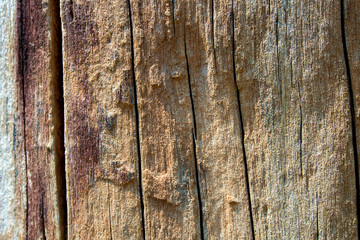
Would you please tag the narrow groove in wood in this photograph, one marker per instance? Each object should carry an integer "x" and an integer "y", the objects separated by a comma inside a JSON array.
[
  {"x": 300, "y": 133},
  {"x": 109, "y": 209},
  {"x": 57, "y": 102},
  {"x": 42, "y": 214},
  {"x": 189, "y": 84},
  {"x": 241, "y": 122},
  {"x": 202, "y": 231},
  {"x": 197, "y": 175},
  {"x": 352, "y": 109},
  {"x": 213, "y": 31},
  {"x": 173, "y": 14},
  {"x": 317, "y": 217},
  {"x": 277, "y": 52},
  {"x": 137, "y": 119},
  {"x": 20, "y": 72}
]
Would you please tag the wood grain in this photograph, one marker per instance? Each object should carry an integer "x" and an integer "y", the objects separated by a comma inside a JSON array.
[
  {"x": 12, "y": 157},
  {"x": 219, "y": 149},
  {"x": 100, "y": 125},
  {"x": 295, "y": 101},
  {"x": 165, "y": 121},
  {"x": 40, "y": 75},
  {"x": 351, "y": 45},
  {"x": 145, "y": 119}
]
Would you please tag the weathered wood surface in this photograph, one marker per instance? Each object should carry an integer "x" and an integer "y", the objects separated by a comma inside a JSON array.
[
  {"x": 182, "y": 119},
  {"x": 165, "y": 122},
  {"x": 102, "y": 170},
  {"x": 351, "y": 41},
  {"x": 294, "y": 97},
  {"x": 12, "y": 161},
  {"x": 40, "y": 74},
  {"x": 220, "y": 157}
]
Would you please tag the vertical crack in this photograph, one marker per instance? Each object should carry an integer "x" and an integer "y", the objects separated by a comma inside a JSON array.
[
  {"x": 352, "y": 109},
  {"x": 317, "y": 217},
  {"x": 277, "y": 51},
  {"x": 57, "y": 111},
  {"x": 291, "y": 73},
  {"x": 197, "y": 175},
  {"x": 20, "y": 48},
  {"x": 109, "y": 209},
  {"x": 241, "y": 123},
  {"x": 300, "y": 132},
  {"x": 198, "y": 190},
  {"x": 213, "y": 30},
  {"x": 42, "y": 215},
  {"x": 301, "y": 120},
  {"x": 137, "y": 119},
  {"x": 189, "y": 84},
  {"x": 173, "y": 14}
]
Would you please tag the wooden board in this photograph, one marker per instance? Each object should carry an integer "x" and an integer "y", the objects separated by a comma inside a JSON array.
[
  {"x": 12, "y": 161},
  {"x": 40, "y": 75},
  {"x": 166, "y": 125},
  {"x": 294, "y": 98},
  {"x": 179, "y": 119},
  {"x": 102, "y": 169},
  {"x": 351, "y": 44},
  {"x": 219, "y": 143}
]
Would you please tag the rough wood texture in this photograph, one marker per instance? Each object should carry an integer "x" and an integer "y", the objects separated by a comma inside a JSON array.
[
  {"x": 294, "y": 97},
  {"x": 171, "y": 204},
  {"x": 40, "y": 75},
  {"x": 100, "y": 124},
  {"x": 183, "y": 119},
  {"x": 12, "y": 161},
  {"x": 222, "y": 172},
  {"x": 351, "y": 44}
]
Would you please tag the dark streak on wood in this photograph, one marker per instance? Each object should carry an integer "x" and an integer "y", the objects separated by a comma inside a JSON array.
[
  {"x": 241, "y": 122},
  {"x": 34, "y": 43},
  {"x": 197, "y": 173},
  {"x": 84, "y": 153},
  {"x": 42, "y": 208},
  {"x": 19, "y": 130},
  {"x": 137, "y": 121},
  {"x": 173, "y": 5},
  {"x": 352, "y": 110},
  {"x": 57, "y": 103},
  {"x": 300, "y": 133},
  {"x": 317, "y": 217},
  {"x": 83, "y": 33},
  {"x": 39, "y": 80},
  {"x": 109, "y": 204},
  {"x": 213, "y": 29}
]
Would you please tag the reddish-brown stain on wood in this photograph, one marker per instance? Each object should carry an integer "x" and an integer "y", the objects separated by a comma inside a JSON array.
[
  {"x": 36, "y": 76},
  {"x": 84, "y": 154},
  {"x": 184, "y": 124},
  {"x": 84, "y": 34},
  {"x": 100, "y": 127}
]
